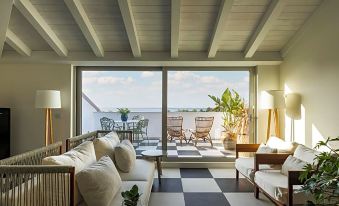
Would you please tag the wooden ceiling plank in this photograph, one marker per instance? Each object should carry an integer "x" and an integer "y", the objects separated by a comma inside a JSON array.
[
  {"x": 267, "y": 21},
  {"x": 128, "y": 18},
  {"x": 80, "y": 16},
  {"x": 225, "y": 10},
  {"x": 175, "y": 27},
  {"x": 17, "y": 44},
  {"x": 5, "y": 11},
  {"x": 32, "y": 15}
]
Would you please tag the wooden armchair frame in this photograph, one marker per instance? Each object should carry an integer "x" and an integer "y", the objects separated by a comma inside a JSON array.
[{"x": 244, "y": 148}]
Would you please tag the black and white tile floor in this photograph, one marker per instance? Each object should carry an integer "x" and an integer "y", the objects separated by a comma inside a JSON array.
[
  {"x": 186, "y": 150},
  {"x": 203, "y": 187}
]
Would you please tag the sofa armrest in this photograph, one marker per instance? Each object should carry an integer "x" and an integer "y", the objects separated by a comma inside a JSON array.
[
  {"x": 269, "y": 158},
  {"x": 245, "y": 148},
  {"x": 293, "y": 179}
]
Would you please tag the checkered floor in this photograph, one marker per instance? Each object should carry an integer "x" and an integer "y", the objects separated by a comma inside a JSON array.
[
  {"x": 186, "y": 150},
  {"x": 201, "y": 187}
]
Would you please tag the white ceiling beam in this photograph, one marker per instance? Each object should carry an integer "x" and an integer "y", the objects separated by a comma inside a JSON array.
[
  {"x": 224, "y": 11},
  {"x": 271, "y": 15},
  {"x": 127, "y": 16},
  {"x": 175, "y": 27},
  {"x": 80, "y": 16},
  {"x": 17, "y": 44},
  {"x": 32, "y": 15},
  {"x": 151, "y": 59},
  {"x": 5, "y": 11}
]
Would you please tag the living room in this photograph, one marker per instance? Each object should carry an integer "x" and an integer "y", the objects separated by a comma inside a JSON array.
[{"x": 170, "y": 63}]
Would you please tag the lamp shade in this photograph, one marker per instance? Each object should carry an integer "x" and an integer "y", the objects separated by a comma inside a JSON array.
[
  {"x": 47, "y": 99},
  {"x": 272, "y": 99},
  {"x": 293, "y": 105}
]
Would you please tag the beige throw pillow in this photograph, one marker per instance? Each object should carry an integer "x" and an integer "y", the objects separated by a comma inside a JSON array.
[
  {"x": 125, "y": 156},
  {"x": 105, "y": 146},
  {"x": 99, "y": 183},
  {"x": 281, "y": 145},
  {"x": 266, "y": 149},
  {"x": 292, "y": 163}
]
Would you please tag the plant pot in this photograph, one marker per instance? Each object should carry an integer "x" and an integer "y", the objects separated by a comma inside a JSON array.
[
  {"x": 229, "y": 140},
  {"x": 124, "y": 117}
]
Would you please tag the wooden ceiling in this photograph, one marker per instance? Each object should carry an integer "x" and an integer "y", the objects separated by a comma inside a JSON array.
[{"x": 137, "y": 26}]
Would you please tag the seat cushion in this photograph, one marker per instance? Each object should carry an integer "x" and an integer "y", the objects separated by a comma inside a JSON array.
[
  {"x": 142, "y": 171},
  {"x": 100, "y": 182},
  {"x": 305, "y": 154},
  {"x": 276, "y": 185},
  {"x": 245, "y": 165}
]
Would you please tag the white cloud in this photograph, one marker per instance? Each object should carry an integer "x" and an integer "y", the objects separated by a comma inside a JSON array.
[
  {"x": 147, "y": 74},
  {"x": 108, "y": 80}
]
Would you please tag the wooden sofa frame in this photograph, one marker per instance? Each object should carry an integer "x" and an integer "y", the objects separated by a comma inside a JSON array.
[{"x": 271, "y": 158}]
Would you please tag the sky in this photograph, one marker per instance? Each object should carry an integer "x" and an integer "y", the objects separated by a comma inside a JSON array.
[{"x": 142, "y": 89}]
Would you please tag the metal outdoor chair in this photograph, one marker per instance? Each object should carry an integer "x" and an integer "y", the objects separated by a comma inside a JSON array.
[
  {"x": 141, "y": 128},
  {"x": 174, "y": 129},
  {"x": 203, "y": 126},
  {"x": 131, "y": 125},
  {"x": 108, "y": 124}
]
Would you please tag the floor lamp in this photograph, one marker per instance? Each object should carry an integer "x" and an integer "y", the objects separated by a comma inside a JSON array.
[
  {"x": 48, "y": 100},
  {"x": 293, "y": 109},
  {"x": 272, "y": 100}
]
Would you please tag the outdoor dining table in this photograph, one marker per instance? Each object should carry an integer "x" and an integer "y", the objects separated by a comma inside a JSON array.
[{"x": 126, "y": 123}]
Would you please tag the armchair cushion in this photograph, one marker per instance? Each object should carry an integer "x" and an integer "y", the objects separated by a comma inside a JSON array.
[
  {"x": 266, "y": 149},
  {"x": 280, "y": 145},
  {"x": 275, "y": 184},
  {"x": 292, "y": 163},
  {"x": 305, "y": 154}
]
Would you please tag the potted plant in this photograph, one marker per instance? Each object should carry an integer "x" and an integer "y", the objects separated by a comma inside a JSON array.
[
  {"x": 131, "y": 197},
  {"x": 322, "y": 177},
  {"x": 234, "y": 116},
  {"x": 124, "y": 113}
]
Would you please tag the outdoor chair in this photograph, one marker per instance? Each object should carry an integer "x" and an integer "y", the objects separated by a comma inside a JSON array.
[
  {"x": 108, "y": 124},
  {"x": 174, "y": 129},
  {"x": 203, "y": 126},
  {"x": 141, "y": 128},
  {"x": 131, "y": 125}
]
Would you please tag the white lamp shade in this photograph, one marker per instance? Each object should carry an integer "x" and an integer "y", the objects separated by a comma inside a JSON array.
[
  {"x": 293, "y": 105},
  {"x": 272, "y": 99},
  {"x": 47, "y": 99}
]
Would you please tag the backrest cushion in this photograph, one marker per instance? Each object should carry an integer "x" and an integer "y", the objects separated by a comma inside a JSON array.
[
  {"x": 292, "y": 163},
  {"x": 125, "y": 156},
  {"x": 305, "y": 154},
  {"x": 113, "y": 135},
  {"x": 105, "y": 146},
  {"x": 80, "y": 157},
  {"x": 266, "y": 149},
  {"x": 281, "y": 145},
  {"x": 100, "y": 182}
]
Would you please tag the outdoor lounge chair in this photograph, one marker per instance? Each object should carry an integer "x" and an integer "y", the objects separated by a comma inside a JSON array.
[
  {"x": 174, "y": 129},
  {"x": 203, "y": 126}
]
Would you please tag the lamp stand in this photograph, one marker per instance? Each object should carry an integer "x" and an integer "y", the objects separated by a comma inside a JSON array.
[
  {"x": 48, "y": 127},
  {"x": 276, "y": 123}
]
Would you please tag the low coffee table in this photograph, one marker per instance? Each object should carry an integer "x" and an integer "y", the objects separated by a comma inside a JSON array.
[{"x": 157, "y": 155}]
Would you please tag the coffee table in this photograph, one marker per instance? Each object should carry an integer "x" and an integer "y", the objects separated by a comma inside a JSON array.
[{"x": 157, "y": 155}]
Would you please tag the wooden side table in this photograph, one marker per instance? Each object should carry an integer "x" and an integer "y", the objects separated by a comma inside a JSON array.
[{"x": 156, "y": 155}]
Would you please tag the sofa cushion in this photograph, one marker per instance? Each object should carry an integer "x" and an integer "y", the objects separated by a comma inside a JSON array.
[
  {"x": 292, "y": 163},
  {"x": 305, "y": 154},
  {"x": 105, "y": 146},
  {"x": 276, "y": 185},
  {"x": 80, "y": 157},
  {"x": 266, "y": 149},
  {"x": 281, "y": 145},
  {"x": 245, "y": 165},
  {"x": 142, "y": 171},
  {"x": 113, "y": 135},
  {"x": 125, "y": 156},
  {"x": 100, "y": 182}
]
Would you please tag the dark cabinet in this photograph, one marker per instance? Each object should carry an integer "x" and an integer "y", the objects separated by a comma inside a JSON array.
[{"x": 5, "y": 132}]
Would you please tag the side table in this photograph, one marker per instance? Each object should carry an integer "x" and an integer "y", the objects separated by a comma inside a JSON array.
[{"x": 156, "y": 155}]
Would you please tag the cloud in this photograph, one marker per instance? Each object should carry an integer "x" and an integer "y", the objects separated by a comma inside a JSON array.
[
  {"x": 147, "y": 74},
  {"x": 107, "y": 80}
]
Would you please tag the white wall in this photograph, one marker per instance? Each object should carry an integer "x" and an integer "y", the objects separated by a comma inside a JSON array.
[
  {"x": 311, "y": 68},
  {"x": 18, "y": 83}
]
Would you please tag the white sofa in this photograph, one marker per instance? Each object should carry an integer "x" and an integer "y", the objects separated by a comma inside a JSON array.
[{"x": 141, "y": 175}]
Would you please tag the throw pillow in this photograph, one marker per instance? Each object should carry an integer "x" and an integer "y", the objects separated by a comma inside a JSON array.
[
  {"x": 125, "y": 156},
  {"x": 292, "y": 163},
  {"x": 99, "y": 183},
  {"x": 266, "y": 149},
  {"x": 281, "y": 145},
  {"x": 104, "y": 146}
]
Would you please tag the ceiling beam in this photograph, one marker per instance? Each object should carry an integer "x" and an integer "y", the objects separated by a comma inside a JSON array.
[
  {"x": 224, "y": 11},
  {"x": 80, "y": 16},
  {"x": 272, "y": 13},
  {"x": 5, "y": 11},
  {"x": 17, "y": 44},
  {"x": 32, "y": 15},
  {"x": 127, "y": 16},
  {"x": 175, "y": 25},
  {"x": 150, "y": 59}
]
